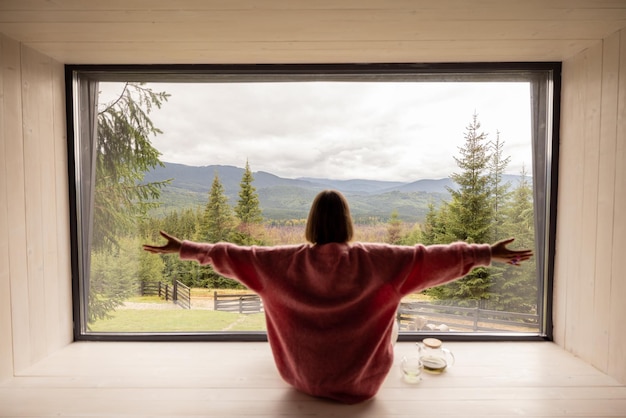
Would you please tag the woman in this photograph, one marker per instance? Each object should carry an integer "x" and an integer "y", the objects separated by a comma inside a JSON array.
[{"x": 330, "y": 305}]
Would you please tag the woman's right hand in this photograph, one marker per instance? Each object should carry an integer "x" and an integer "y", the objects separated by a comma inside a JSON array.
[{"x": 172, "y": 246}]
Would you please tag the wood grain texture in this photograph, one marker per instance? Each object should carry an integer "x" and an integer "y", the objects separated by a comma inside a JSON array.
[
  {"x": 239, "y": 379},
  {"x": 36, "y": 280},
  {"x": 15, "y": 201},
  {"x": 605, "y": 202},
  {"x": 277, "y": 31},
  {"x": 591, "y": 236},
  {"x": 617, "y": 336},
  {"x": 36, "y": 105},
  {"x": 6, "y": 346}
]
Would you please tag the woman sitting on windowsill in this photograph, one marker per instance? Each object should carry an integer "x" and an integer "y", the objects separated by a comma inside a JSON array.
[{"x": 330, "y": 305}]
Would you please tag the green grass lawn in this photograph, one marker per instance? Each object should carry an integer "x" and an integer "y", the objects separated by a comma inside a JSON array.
[
  {"x": 184, "y": 320},
  {"x": 176, "y": 320}
]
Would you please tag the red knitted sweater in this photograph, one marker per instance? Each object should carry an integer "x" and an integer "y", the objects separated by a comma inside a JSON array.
[{"x": 330, "y": 308}]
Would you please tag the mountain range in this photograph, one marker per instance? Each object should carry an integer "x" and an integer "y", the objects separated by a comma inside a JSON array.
[{"x": 285, "y": 198}]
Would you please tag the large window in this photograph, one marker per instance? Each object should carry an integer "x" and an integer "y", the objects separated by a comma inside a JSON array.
[{"x": 424, "y": 154}]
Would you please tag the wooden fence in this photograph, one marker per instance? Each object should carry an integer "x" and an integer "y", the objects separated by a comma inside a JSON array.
[
  {"x": 242, "y": 303},
  {"x": 421, "y": 316},
  {"x": 177, "y": 293}
]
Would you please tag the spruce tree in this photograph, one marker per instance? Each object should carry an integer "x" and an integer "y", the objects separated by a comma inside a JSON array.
[
  {"x": 470, "y": 208},
  {"x": 217, "y": 224},
  {"x": 435, "y": 229},
  {"x": 217, "y": 221},
  {"x": 499, "y": 188},
  {"x": 517, "y": 287},
  {"x": 248, "y": 211},
  {"x": 124, "y": 153},
  {"x": 469, "y": 214},
  {"x": 394, "y": 229},
  {"x": 430, "y": 225}
]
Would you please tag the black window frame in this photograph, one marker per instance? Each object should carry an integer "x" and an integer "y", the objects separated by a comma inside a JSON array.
[{"x": 546, "y": 88}]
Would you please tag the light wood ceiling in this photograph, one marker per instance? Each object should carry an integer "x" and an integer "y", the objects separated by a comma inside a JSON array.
[{"x": 309, "y": 31}]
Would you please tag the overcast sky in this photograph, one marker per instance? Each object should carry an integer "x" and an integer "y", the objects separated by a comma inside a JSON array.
[{"x": 385, "y": 131}]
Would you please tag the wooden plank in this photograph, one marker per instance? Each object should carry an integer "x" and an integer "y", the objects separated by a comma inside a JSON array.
[
  {"x": 194, "y": 15},
  {"x": 393, "y": 389},
  {"x": 140, "y": 379},
  {"x": 617, "y": 338},
  {"x": 539, "y": 5},
  {"x": 35, "y": 102},
  {"x": 575, "y": 160},
  {"x": 601, "y": 314},
  {"x": 589, "y": 146},
  {"x": 49, "y": 217},
  {"x": 503, "y": 364},
  {"x": 255, "y": 26},
  {"x": 569, "y": 236},
  {"x": 311, "y": 52},
  {"x": 14, "y": 164},
  {"x": 171, "y": 402},
  {"x": 6, "y": 349}
]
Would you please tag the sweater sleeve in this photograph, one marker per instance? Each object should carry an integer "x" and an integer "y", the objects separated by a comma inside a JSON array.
[
  {"x": 435, "y": 265},
  {"x": 229, "y": 260}
]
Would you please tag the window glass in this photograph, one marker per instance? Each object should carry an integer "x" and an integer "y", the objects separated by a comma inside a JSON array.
[{"x": 420, "y": 161}]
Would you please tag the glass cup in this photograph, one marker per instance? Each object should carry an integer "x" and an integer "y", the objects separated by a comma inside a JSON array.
[{"x": 412, "y": 368}]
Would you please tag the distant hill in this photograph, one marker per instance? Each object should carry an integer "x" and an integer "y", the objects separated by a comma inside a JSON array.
[{"x": 283, "y": 198}]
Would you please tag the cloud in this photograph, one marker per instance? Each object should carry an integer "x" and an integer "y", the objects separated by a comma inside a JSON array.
[{"x": 386, "y": 131}]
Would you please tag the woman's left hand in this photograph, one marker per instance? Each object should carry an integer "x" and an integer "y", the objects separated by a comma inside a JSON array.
[{"x": 500, "y": 253}]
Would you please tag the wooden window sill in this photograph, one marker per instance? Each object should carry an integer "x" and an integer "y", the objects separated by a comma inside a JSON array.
[{"x": 110, "y": 379}]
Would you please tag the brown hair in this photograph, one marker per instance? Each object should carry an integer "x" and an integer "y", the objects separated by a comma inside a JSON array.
[{"x": 329, "y": 219}]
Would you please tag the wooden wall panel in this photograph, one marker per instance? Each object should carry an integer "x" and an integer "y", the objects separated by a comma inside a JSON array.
[
  {"x": 45, "y": 130},
  {"x": 591, "y": 227},
  {"x": 605, "y": 202},
  {"x": 15, "y": 199},
  {"x": 568, "y": 245},
  {"x": 245, "y": 31},
  {"x": 36, "y": 124},
  {"x": 35, "y": 279},
  {"x": 590, "y": 145},
  {"x": 617, "y": 330},
  {"x": 6, "y": 332},
  {"x": 6, "y": 351},
  {"x": 43, "y": 122}
]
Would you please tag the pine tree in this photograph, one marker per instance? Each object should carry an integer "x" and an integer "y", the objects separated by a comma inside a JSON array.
[
  {"x": 185, "y": 226},
  {"x": 394, "y": 229},
  {"x": 499, "y": 188},
  {"x": 248, "y": 211},
  {"x": 217, "y": 224},
  {"x": 217, "y": 221},
  {"x": 430, "y": 225},
  {"x": 469, "y": 214},
  {"x": 435, "y": 229},
  {"x": 124, "y": 153},
  {"x": 517, "y": 287},
  {"x": 470, "y": 208},
  {"x": 413, "y": 236}
]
